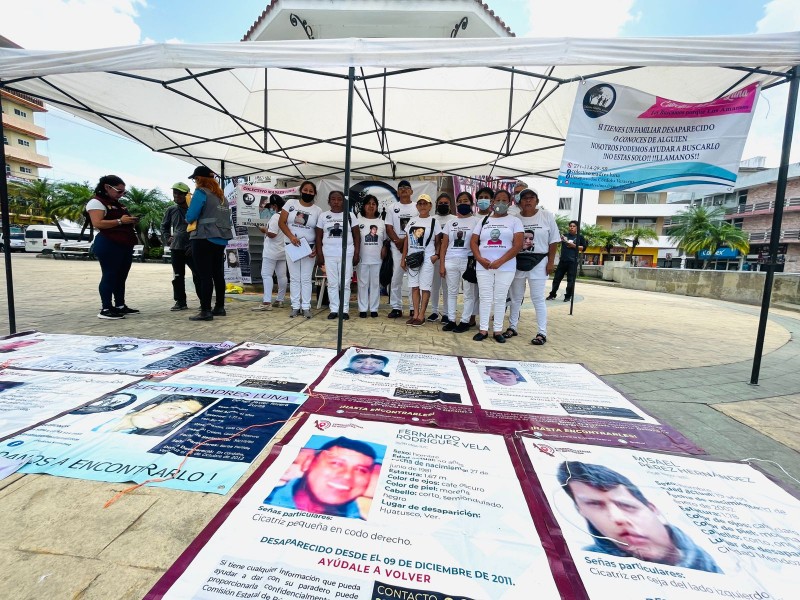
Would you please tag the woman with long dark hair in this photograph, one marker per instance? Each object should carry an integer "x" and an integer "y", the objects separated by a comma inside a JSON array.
[
  {"x": 113, "y": 245},
  {"x": 210, "y": 212},
  {"x": 372, "y": 251}
]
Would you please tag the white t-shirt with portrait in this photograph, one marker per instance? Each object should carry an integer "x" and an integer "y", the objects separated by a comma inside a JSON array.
[
  {"x": 544, "y": 229},
  {"x": 497, "y": 238},
  {"x": 398, "y": 215},
  {"x": 458, "y": 232},
  {"x": 273, "y": 247},
  {"x": 332, "y": 226},
  {"x": 418, "y": 231},
  {"x": 373, "y": 234},
  {"x": 302, "y": 220}
]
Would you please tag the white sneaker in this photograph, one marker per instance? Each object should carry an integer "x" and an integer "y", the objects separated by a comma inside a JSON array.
[
  {"x": 262, "y": 307},
  {"x": 278, "y": 304}
]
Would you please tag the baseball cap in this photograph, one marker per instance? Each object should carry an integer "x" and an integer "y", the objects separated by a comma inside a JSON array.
[
  {"x": 403, "y": 183},
  {"x": 424, "y": 198},
  {"x": 181, "y": 187},
  {"x": 202, "y": 171},
  {"x": 528, "y": 192}
]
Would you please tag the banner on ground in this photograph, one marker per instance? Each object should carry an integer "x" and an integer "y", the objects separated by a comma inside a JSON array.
[
  {"x": 369, "y": 510},
  {"x": 620, "y": 138},
  {"x": 145, "y": 431},
  {"x": 268, "y": 366},
  {"x": 27, "y": 398},
  {"x": 95, "y": 354},
  {"x": 645, "y": 525}
]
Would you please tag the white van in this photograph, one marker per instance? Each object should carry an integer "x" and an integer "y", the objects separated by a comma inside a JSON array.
[{"x": 41, "y": 238}]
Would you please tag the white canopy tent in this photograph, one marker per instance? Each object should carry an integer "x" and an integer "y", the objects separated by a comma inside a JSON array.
[{"x": 382, "y": 108}]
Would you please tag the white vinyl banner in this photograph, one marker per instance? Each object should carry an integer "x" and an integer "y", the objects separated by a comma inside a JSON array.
[
  {"x": 367, "y": 510},
  {"x": 620, "y": 138},
  {"x": 641, "y": 525},
  {"x": 252, "y": 202},
  {"x": 547, "y": 389},
  {"x": 267, "y": 366}
]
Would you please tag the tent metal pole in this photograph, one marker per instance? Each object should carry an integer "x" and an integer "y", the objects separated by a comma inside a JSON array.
[
  {"x": 777, "y": 220},
  {"x": 580, "y": 212},
  {"x": 12, "y": 317},
  {"x": 351, "y": 77}
]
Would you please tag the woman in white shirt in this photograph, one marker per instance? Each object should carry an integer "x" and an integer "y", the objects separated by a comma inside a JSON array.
[
  {"x": 299, "y": 220},
  {"x": 273, "y": 257},
  {"x": 496, "y": 240},
  {"x": 422, "y": 240},
  {"x": 453, "y": 256},
  {"x": 330, "y": 229},
  {"x": 372, "y": 231}
]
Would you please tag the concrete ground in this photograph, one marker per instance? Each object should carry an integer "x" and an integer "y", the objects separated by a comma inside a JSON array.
[{"x": 686, "y": 360}]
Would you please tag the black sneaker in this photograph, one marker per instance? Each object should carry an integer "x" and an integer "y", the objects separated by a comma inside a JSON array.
[
  {"x": 433, "y": 317},
  {"x": 110, "y": 313},
  {"x": 449, "y": 326},
  {"x": 550, "y": 297},
  {"x": 461, "y": 327},
  {"x": 332, "y": 316},
  {"x": 126, "y": 310},
  {"x": 567, "y": 298},
  {"x": 395, "y": 313},
  {"x": 373, "y": 314},
  {"x": 346, "y": 317},
  {"x": 178, "y": 306},
  {"x": 362, "y": 315},
  {"x": 219, "y": 311},
  {"x": 445, "y": 319}
]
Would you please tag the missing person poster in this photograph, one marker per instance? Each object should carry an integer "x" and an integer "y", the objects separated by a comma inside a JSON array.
[
  {"x": 254, "y": 202},
  {"x": 93, "y": 354},
  {"x": 28, "y": 398},
  {"x": 268, "y": 366},
  {"x": 145, "y": 432},
  {"x": 368, "y": 510},
  {"x": 620, "y": 138},
  {"x": 645, "y": 525}
]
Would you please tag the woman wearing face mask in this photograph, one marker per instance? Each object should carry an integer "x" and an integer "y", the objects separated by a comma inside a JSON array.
[
  {"x": 483, "y": 200},
  {"x": 495, "y": 264},
  {"x": 330, "y": 227},
  {"x": 453, "y": 255},
  {"x": 372, "y": 231},
  {"x": 299, "y": 220},
  {"x": 534, "y": 265},
  {"x": 439, "y": 284}
]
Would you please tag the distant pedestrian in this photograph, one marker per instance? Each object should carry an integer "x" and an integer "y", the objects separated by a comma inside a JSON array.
[
  {"x": 174, "y": 235},
  {"x": 572, "y": 244}
]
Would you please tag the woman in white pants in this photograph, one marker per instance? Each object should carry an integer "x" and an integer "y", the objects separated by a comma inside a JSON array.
[
  {"x": 495, "y": 243},
  {"x": 273, "y": 258},
  {"x": 330, "y": 229},
  {"x": 372, "y": 231},
  {"x": 534, "y": 263},
  {"x": 453, "y": 256},
  {"x": 299, "y": 220}
]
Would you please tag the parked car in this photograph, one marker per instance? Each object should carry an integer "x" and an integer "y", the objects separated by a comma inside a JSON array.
[
  {"x": 17, "y": 243},
  {"x": 82, "y": 250}
]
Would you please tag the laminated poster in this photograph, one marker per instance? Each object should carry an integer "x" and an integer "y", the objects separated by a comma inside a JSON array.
[
  {"x": 367, "y": 510},
  {"x": 642, "y": 526}
]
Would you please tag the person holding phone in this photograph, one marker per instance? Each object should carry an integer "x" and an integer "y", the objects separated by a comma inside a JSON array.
[{"x": 113, "y": 245}]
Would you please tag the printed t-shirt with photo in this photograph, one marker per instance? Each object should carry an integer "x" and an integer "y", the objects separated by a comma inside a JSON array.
[
  {"x": 273, "y": 247},
  {"x": 544, "y": 229},
  {"x": 398, "y": 215},
  {"x": 418, "y": 231},
  {"x": 331, "y": 224},
  {"x": 497, "y": 238},
  {"x": 302, "y": 219},
  {"x": 371, "y": 244},
  {"x": 458, "y": 232}
]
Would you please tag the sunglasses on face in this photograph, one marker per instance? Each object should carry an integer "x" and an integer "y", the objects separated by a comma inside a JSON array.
[{"x": 122, "y": 191}]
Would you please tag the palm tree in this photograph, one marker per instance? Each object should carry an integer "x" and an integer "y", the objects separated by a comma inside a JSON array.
[
  {"x": 149, "y": 206},
  {"x": 592, "y": 234},
  {"x": 699, "y": 228},
  {"x": 636, "y": 235},
  {"x": 719, "y": 235},
  {"x": 72, "y": 199},
  {"x": 609, "y": 239},
  {"x": 40, "y": 194},
  {"x": 563, "y": 223}
]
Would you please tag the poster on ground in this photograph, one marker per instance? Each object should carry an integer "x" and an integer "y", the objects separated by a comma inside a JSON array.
[
  {"x": 644, "y": 525},
  {"x": 96, "y": 354},
  {"x": 620, "y": 138},
  {"x": 268, "y": 366},
  {"x": 145, "y": 432},
  {"x": 28, "y": 398},
  {"x": 403, "y": 387},
  {"x": 368, "y": 510}
]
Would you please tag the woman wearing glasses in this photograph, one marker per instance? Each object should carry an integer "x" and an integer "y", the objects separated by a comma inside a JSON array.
[{"x": 113, "y": 245}]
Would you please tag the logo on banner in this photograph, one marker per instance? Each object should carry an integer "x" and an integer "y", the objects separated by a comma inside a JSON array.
[
  {"x": 322, "y": 425},
  {"x": 545, "y": 449},
  {"x": 599, "y": 100}
]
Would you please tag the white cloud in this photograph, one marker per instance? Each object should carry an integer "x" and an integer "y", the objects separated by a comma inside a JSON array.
[
  {"x": 779, "y": 16},
  {"x": 579, "y": 18},
  {"x": 72, "y": 24}
]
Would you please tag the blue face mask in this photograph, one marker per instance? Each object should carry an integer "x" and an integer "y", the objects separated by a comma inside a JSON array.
[
  {"x": 483, "y": 203},
  {"x": 464, "y": 209},
  {"x": 516, "y": 198}
]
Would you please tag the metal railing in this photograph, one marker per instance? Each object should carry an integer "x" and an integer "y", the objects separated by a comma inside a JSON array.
[
  {"x": 765, "y": 205},
  {"x": 787, "y": 235}
]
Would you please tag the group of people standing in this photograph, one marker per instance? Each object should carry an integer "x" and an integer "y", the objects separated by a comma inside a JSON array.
[{"x": 493, "y": 246}]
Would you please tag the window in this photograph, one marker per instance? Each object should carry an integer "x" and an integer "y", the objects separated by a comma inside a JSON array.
[
  {"x": 25, "y": 170},
  {"x": 565, "y": 203},
  {"x": 742, "y": 197},
  {"x": 620, "y": 223},
  {"x": 25, "y": 143},
  {"x": 635, "y": 198},
  {"x": 5, "y": 140},
  {"x": 738, "y": 223},
  {"x": 8, "y": 169},
  {"x": 20, "y": 113}
]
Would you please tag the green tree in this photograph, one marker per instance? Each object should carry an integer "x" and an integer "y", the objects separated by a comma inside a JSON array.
[
  {"x": 636, "y": 235},
  {"x": 609, "y": 239},
  {"x": 71, "y": 201},
  {"x": 149, "y": 206},
  {"x": 592, "y": 234},
  {"x": 563, "y": 223},
  {"x": 38, "y": 194},
  {"x": 699, "y": 228}
]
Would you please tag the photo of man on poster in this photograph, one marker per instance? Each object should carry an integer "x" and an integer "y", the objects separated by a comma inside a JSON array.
[
  {"x": 333, "y": 477},
  {"x": 624, "y": 523},
  {"x": 367, "y": 364}
]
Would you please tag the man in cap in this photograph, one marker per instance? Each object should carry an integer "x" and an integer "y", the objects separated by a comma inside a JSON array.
[
  {"x": 397, "y": 217},
  {"x": 173, "y": 233}
]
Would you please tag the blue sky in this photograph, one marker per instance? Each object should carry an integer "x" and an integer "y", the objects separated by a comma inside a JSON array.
[{"x": 80, "y": 151}]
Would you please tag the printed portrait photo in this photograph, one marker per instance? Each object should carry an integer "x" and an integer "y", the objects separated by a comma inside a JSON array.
[
  {"x": 240, "y": 357},
  {"x": 300, "y": 218},
  {"x": 160, "y": 416},
  {"x": 507, "y": 376},
  {"x": 248, "y": 199},
  {"x": 367, "y": 364},
  {"x": 331, "y": 476},
  {"x": 107, "y": 403}
]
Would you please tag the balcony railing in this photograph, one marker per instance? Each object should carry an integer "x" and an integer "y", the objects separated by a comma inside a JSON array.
[
  {"x": 27, "y": 98},
  {"x": 762, "y": 206},
  {"x": 26, "y": 156},
  {"x": 787, "y": 235},
  {"x": 16, "y": 123}
]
